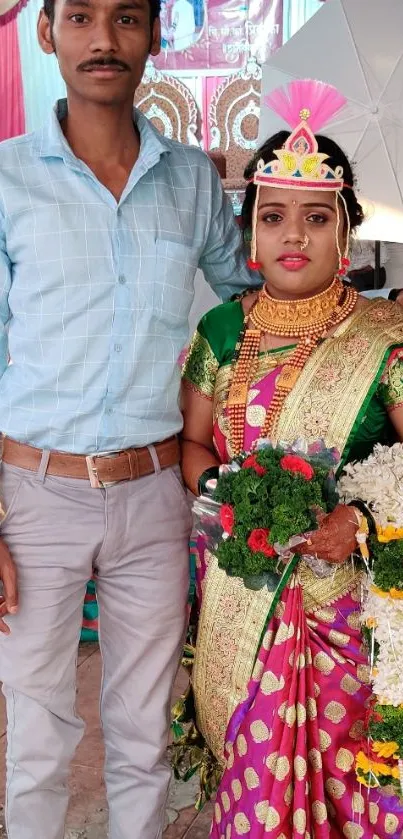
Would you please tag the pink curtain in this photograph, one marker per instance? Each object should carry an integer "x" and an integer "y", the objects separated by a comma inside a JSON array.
[
  {"x": 12, "y": 120},
  {"x": 210, "y": 84}
]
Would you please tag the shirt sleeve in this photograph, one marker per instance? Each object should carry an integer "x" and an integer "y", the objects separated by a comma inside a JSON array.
[
  {"x": 201, "y": 365},
  {"x": 223, "y": 260},
  {"x": 5, "y": 285},
  {"x": 391, "y": 384},
  {"x": 376, "y": 292}
]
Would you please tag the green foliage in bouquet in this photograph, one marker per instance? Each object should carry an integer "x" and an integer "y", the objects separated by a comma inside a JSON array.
[
  {"x": 269, "y": 500},
  {"x": 387, "y": 559},
  {"x": 386, "y": 725}
]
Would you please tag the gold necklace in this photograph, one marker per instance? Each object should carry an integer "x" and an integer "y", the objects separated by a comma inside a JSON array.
[
  {"x": 295, "y": 318},
  {"x": 246, "y": 358}
]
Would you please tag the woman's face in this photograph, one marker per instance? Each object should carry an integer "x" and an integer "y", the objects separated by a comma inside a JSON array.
[{"x": 286, "y": 219}]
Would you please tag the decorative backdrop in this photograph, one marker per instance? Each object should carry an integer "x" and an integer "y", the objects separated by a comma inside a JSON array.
[
  {"x": 220, "y": 34},
  {"x": 206, "y": 44}
]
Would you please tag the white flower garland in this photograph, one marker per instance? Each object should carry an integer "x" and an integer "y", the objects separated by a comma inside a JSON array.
[
  {"x": 386, "y": 616},
  {"x": 378, "y": 481}
]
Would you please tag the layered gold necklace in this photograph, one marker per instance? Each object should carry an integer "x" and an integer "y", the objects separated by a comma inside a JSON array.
[{"x": 309, "y": 321}]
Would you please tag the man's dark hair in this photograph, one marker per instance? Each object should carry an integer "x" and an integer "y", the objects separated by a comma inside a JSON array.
[
  {"x": 155, "y": 9},
  {"x": 336, "y": 158}
]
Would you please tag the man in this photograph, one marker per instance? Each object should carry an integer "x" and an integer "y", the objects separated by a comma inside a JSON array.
[{"x": 103, "y": 223}]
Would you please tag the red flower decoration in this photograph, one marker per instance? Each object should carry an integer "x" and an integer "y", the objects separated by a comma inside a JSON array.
[
  {"x": 293, "y": 463},
  {"x": 227, "y": 518},
  {"x": 258, "y": 541},
  {"x": 251, "y": 463}
]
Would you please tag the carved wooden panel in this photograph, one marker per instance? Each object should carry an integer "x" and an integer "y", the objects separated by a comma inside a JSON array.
[
  {"x": 234, "y": 118},
  {"x": 169, "y": 105}
]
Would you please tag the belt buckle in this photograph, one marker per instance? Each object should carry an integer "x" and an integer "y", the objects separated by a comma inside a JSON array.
[{"x": 93, "y": 472}]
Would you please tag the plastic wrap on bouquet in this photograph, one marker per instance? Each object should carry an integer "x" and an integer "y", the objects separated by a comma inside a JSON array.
[
  {"x": 319, "y": 567},
  {"x": 206, "y": 521},
  {"x": 208, "y": 515}
]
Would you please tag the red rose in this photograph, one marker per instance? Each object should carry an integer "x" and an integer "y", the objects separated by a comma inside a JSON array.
[
  {"x": 293, "y": 463},
  {"x": 227, "y": 518},
  {"x": 251, "y": 463},
  {"x": 259, "y": 541}
]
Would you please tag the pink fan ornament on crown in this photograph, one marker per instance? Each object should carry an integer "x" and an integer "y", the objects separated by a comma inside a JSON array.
[{"x": 323, "y": 101}]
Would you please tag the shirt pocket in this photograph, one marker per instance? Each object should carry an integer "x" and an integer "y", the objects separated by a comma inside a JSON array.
[{"x": 173, "y": 290}]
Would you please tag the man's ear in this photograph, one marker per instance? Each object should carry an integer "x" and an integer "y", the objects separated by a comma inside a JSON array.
[
  {"x": 44, "y": 30},
  {"x": 155, "y": 47}
]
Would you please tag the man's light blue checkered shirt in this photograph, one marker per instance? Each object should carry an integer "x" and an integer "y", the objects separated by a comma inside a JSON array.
[{"x": 95, "y": 294}]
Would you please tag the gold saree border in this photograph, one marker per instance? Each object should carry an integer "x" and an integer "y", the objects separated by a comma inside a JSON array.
[
  {"x": 337, "y": 379},
  {"x": 231, "y": 623}
]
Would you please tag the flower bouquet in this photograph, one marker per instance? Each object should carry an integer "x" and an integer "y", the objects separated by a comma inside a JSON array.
[
  {"x": 261, "y": 505},
  {"x": 378, "y": 481}
]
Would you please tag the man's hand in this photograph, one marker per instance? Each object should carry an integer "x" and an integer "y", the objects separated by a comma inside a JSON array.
[
  {"x": 8, "y": 576},
  {"x": 396, "y": 295},
  {"x": 335, "y": 540}
]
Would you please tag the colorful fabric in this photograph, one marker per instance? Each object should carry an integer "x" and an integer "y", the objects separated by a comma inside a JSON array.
[
  {"x": 89, "y": 631},
  {"x": 282, "y": 704},
  {"x": 391, "y": 387},
  {"x": 12, "y": 120},
  {"x": 339, "y": 395},
  {"x": 291, "y": 745}
]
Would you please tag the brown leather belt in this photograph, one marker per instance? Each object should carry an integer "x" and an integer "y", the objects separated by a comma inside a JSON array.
[{"x": 123, "y": 466}]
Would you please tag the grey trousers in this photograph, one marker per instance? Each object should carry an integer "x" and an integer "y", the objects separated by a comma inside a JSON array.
[{"x": 135, "y": 534}]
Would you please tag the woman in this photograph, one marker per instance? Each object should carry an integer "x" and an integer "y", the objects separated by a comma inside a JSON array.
[{"x": 282, "y": 706}]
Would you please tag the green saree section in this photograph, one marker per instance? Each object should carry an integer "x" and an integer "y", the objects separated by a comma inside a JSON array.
[{"x": 343, "y": 393}]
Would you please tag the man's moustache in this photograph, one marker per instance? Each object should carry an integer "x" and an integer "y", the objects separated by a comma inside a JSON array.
[{"x": 103, "y": 62}]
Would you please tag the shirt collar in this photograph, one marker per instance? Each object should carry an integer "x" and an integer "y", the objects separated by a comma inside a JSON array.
[{"x": 51, "y": 142}]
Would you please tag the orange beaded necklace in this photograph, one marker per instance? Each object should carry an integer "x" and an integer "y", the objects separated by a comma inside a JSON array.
[{"x": 307, "y": 320}]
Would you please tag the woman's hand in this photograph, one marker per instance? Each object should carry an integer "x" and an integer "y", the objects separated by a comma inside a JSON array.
[{"x": 335, "y": 540}]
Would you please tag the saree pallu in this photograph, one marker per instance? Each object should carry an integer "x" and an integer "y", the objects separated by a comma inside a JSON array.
[{"x": 290, "y": 745}]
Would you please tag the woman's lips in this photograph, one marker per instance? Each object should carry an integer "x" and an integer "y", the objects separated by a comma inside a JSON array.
[{"x": 293, "y": 262}]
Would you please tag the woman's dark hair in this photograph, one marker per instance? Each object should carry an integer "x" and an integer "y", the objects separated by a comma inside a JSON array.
[
  {"x": 336, "y": 157},
  {"x": 155, "y": 8}
]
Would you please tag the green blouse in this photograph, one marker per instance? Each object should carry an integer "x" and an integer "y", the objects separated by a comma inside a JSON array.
[{"x": 213, "y": 346}]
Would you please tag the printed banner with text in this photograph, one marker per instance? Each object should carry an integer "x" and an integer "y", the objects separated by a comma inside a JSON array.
[{"x": 218, "y": 34}]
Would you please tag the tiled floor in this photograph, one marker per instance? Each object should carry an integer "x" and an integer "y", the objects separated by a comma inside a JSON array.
[{"x": 87, "y": 814}]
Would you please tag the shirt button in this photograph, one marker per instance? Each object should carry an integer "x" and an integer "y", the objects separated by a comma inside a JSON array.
[
  {"x": 118, "y": 347},
  {"x": 122, "y": 280},
  {"x": 109, "y": 411}
]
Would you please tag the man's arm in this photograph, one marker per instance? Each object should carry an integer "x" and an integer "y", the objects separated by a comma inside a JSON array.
[
  {"x": 223, "y": 260},
  {"x": 395, "y": 294},
  {"x": 8, "y": 571},
  {"x": 5, "y": 285}
]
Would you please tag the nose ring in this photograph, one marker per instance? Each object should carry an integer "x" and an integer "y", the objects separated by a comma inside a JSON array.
[{"x": 305, "y": 242}]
